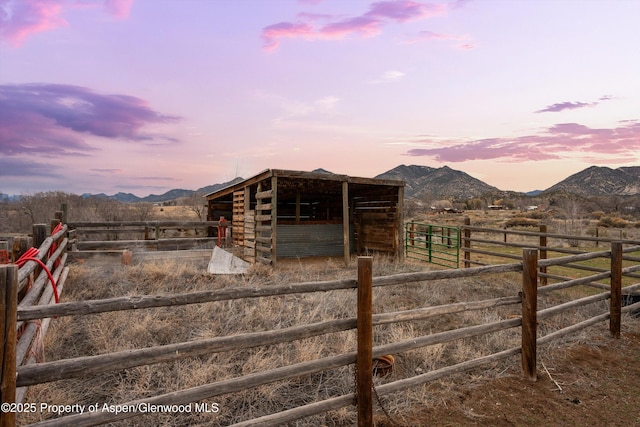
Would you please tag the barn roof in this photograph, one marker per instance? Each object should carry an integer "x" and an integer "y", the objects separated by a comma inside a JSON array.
[{"x": 315, "y": 176}]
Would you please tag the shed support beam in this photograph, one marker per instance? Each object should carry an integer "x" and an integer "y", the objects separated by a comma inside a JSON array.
[
  {"x": 274, "y": 218},
  {"x": 345, "y": 222}
]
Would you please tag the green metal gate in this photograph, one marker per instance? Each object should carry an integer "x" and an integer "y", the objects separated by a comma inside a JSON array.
[{"x": 437, "y": 244}]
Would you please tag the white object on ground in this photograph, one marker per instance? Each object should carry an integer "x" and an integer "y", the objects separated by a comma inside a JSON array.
[{"x": 223, "y": 262}]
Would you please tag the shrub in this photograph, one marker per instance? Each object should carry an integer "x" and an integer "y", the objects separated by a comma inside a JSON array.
[
  {"x": 612, "y": 222},
  {"x": 521, "y": 221}
]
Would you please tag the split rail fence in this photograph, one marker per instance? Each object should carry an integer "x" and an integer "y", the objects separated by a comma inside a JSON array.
[
  {"x": 111, "y": 239},
  {"x": 527, "y": 268},
  {"x": 486, "y": 246},
  {"x": 35, "y": 279}
]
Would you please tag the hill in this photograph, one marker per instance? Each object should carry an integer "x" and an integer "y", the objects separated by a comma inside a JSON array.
[
  {"x": 424, "y": 182},
  {"x": 427, "y": 182},
  {"x": 601, "y": 181}
]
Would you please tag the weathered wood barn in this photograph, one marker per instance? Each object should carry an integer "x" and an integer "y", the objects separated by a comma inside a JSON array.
[{"x": 288, "y": 214}]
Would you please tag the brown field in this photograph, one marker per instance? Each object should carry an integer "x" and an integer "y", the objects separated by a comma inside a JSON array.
[
  {"x": 589, "y": 376},
  {"x": 586, "y": 379}
]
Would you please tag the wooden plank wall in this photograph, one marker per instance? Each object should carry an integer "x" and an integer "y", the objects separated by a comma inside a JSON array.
[
  {"x": 263, "y": 230},
  {"x": 238, "y": 218},
  {"x": 376, "y": 224}
]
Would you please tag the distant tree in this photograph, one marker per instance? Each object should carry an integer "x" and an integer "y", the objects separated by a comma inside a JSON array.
[
  {"x": 143, "y": 210},
  {"x": 196, "y": 204},
  {"x": 474, "y": 204}
]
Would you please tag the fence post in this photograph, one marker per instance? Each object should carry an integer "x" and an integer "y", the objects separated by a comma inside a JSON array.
[
  {"x": 40, "y": 233},
  {"x": 467, "y": 242},
  {"x": 543, "y": 253},
  {"x": 429, "y": 240},
  {"x": 529, "y": 312},
  {"x": 364, "y": 358},
  {"x": 8, "y": 319},
  {"x": 615, "y": 306}
]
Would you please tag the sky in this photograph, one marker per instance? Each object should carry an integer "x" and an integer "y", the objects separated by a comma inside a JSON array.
[{"x": 144, "y": 96}]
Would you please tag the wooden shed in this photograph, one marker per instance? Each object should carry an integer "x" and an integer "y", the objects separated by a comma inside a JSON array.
[{"x": 288, "y": 214}]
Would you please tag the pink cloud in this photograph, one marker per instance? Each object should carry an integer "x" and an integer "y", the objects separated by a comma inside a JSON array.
[
  {"x": 367, "y": 25},
  {"x": 402, "y": 11},
  {"x": 20, "y": 19},
  {"x": 118, "y": 8},
  {"x": 273, "y": 33},
  {"x": 558, "y": 141}
]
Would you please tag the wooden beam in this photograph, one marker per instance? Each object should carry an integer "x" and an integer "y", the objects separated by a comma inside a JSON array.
[
  {"x": 8, "y": 320},
  {"x": 529, "y": 312},
  {"x": 364, "y": 358},
  {"x": 615, "y": 308},
  {"x": 274, "y": 219},
  {"x": 345, "y": 222}
]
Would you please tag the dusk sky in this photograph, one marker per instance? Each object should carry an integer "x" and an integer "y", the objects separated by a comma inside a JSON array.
[{"x": 144, "y": 96}]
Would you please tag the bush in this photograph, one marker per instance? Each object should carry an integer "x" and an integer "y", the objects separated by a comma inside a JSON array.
[
  {"x": 521, "y": 221},
  {"x": 612, "y": 222}
]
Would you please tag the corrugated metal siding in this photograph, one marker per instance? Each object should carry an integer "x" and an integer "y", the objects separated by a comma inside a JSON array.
[{"x": 306, "y": 240}]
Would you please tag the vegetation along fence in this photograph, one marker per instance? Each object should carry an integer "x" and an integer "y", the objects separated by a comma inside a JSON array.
[
  {"x": 525, "y": 302},
  {"x": 437, "y": 244}
]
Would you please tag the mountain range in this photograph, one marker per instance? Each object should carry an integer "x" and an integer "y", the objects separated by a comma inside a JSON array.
[{"x": 444, "y": 182}]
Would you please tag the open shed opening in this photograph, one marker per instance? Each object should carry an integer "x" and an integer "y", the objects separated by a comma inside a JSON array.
[{"x": 289, "y": 214}]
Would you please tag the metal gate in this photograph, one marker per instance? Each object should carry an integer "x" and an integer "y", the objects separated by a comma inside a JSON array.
[{"x": 437, "y": 244}]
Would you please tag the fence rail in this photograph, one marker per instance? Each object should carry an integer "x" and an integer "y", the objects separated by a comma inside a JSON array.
[
  {"x": 108, "y": 240},
  {"x": 529, "y": 267},
  {"x": 35, "y": 278}
]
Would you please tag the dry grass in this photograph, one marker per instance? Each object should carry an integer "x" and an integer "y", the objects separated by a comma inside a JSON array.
[{"x": 109, "y": 332}]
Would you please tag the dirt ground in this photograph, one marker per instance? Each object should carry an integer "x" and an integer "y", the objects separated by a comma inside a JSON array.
[{"x": 584, "y": 384}]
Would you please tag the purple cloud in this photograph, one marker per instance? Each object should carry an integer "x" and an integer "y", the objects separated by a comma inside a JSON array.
[
  {"x": 561, "y": 106},
  {"x": 21, "y": 18},
  {"x": 52, "y": 119},
  {"x": 551, "y": 143},
  {"x": 367, "y": 24},
  {"x": 16, "y": 167}
]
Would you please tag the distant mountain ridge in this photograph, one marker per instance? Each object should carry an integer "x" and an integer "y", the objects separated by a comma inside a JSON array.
[
  {"x": 427, "y": 182},
  {"x": 444, "y": 182},
  {"x": 601, "y": 181}
]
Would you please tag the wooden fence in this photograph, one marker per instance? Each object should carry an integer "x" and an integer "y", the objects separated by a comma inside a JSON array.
[
  {"x": 104, "y": 240},
  {"x": 486, "y": 246},
  {"x": 35, "y": 280},
  {"x": 528, "y": 267}
]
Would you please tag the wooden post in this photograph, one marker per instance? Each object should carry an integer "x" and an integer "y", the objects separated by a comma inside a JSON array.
[
  {"x": 412, "y": 229},
  {"x": 597, "y": 237},
  {"x": 4, "y": 252},
  {"x": 64, "y": 208},
  {"x": 8, "y": 319},
  {"x": 274, "y": 219},
  {"x": 40, "y": 233},
  {"x": 345, "y": 223},
  {"x": 364, "y": 358},
  {"x": 529, "y": 312},
  {"x": 543, "y": 252},
  {"x": 467, "y": 243},
  {"x": 615, "y": 305},
  {"x": 400, "y": 225}
]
